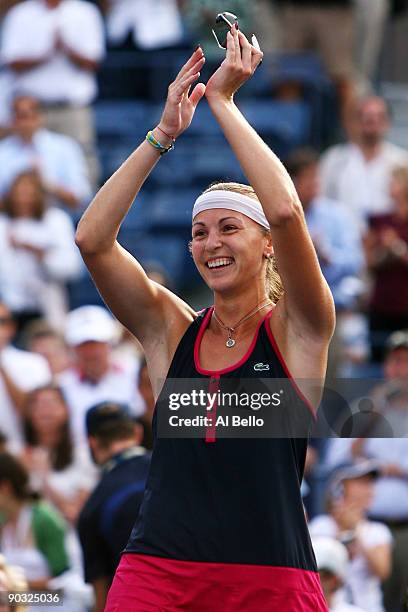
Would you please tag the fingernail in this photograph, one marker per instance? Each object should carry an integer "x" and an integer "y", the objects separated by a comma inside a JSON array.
[{"x": 197, "y": 47}]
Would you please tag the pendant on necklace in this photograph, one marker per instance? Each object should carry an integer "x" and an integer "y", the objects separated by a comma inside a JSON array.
[{"x": 230, "y": 343}]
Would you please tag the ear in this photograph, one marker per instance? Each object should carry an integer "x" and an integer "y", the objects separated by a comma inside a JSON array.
[
  {"x": 268, "y": 250},
  {"x": 138, "y": 433}
]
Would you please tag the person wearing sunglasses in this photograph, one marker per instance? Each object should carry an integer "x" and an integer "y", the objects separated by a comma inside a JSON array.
[{"x": 221, "y": 525}]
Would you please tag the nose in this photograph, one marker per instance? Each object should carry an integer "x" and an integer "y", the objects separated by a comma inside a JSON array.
[{"x": 213, "y": 241}]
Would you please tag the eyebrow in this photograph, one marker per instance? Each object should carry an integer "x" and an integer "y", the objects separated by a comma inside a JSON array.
[{"x": 220, "y": 221}]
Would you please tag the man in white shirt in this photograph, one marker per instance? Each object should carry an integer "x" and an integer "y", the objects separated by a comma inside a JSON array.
[
  {"x": 358, "y": 173},
  {"x": 96, "y": 376},
  {"x": 53, "y": 49},
  {"x": 20, "y": 372},
  {"x": 58, "y": 158}
]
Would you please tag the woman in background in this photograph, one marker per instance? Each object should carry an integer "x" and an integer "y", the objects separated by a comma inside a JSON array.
[{"x": 37, "y": 253}]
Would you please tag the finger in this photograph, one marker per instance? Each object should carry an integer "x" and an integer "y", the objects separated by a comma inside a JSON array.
[
  {"x": 230, "y": 55},
  {"x": 246, "y": 52},
  {"x": 183, "y": 86},
  {"x": 195, "y": 67},
  {"x": 256, "y": 59},
  {"x": 237, "y": 46},
  {"x": 195, "y": 56},
  {"x": 197, "y": 94}
]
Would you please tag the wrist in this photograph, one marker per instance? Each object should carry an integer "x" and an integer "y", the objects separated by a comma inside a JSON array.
[
  {"x": 220, "y": 101},
  {"x": 164, "y": 135}
]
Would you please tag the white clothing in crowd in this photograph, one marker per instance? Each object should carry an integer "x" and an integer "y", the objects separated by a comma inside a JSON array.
[
  {"x": 363, "y": 587},
  {"x": 364, "y": 186},
  {"x": 153, "y": 23},
  {"x": 390, "y": 500},
  {"x": 5, "y": 97},
  {"x": 27, "y": 371},
  {"x": 58, "y": 158},
  {"x": 30, "y": 31},
  {"x": 119, "y": 384},
  {"x": 80, "y": 475},
  {"x": 28, "y": 282}
]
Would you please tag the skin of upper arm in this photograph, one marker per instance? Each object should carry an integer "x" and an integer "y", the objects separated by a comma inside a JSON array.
[
  {"x": 308, "y": 302},
  {"x": 155, "y": 315}
]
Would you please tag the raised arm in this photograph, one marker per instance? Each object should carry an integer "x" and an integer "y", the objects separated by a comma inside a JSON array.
[
  {"x": 307, "y": 303},
  {"x": 140, "y": 304}
]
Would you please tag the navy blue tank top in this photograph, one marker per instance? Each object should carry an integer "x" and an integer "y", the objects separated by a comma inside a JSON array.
[{"x": 229, "y": 500}]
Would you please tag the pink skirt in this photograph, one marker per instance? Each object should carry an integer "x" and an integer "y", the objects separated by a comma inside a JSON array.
[{"x": 144, "y": 583}]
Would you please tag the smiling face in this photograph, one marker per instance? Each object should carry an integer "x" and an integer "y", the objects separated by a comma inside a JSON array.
[{"x": 229, "y": 249}]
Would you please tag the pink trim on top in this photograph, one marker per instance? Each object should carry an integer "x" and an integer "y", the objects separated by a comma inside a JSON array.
[
  {"x": 235, "y": 366},
  {"x": 286, "y": 370}
]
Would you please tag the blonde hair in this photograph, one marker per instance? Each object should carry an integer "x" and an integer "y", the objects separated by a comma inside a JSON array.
[{"x": 273, "y": 281}]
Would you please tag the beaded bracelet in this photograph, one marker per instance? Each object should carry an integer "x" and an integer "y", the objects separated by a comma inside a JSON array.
[{"x": 157, "y": 145}]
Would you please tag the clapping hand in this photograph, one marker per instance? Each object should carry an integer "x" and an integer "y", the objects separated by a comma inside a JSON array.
[{"x": 180, "y": 104}]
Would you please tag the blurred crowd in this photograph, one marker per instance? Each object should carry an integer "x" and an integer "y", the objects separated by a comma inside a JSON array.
[{"x": 76, "y": 403}]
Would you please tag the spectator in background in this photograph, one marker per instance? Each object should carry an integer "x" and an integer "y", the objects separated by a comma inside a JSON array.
[
  {"x": 95, "y": 375},
  {"x": 335, "y": 238},
  {"x": 37, "y": 253},
  {"x": 371, "y": 18},
  {"x": 107, "y": 518},
  {"x": 369, "y": 543},
  {"x": 33, "y": 536},
  {"x": 32, "y": 533},
  {"x": 11, "y": 579},
  {"x": 329, "y": 29},
  {"x": 53, "y": 49},
  {"x": 386, "y": 246},
  {"x": 332, "y": 562},
  {"x": 20, "y": 372},
  {"x": 358, "y": 172},
  {"x": 142, "y": 23},
  {"x": 59, "y": 470},
  {"x": 390, "y": 502},
  {"x": 39, "y": 337},
  {"x": 58, "y": 158}
]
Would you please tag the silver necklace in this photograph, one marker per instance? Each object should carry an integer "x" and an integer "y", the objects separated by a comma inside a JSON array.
[{"x": 231, "y": 330}]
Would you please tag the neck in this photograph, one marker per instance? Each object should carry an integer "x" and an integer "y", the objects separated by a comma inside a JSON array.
[
  {"x": 116, "y": 447},
  {"x": 13, "y": 509},
  {"x": 49, "y": 439},
  {"x": 230, "y": 309},
  {"x": 26, "y": 137},
  {"x": 370, "y": 149}
]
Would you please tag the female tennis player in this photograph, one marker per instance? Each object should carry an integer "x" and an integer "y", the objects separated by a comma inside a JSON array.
[{"x": 222, "y": 525}]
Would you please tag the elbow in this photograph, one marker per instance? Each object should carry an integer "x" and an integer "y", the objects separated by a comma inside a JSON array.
[
  {"x": 289, "y": 209},
  {"x": 84, "y": 242},
  {"x": 81, "y": 240},
  {"x": 89, "y": 244}
]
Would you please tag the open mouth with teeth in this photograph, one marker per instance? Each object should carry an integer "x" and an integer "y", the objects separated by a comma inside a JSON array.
[{"x": 220, "y": 262}]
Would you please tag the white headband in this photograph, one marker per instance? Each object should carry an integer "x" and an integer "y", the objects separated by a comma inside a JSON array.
[{"x": 219, "y": 198}]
